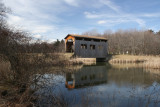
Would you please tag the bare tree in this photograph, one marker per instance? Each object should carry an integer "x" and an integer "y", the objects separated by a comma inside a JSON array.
[{"x": 136, "y": 42}]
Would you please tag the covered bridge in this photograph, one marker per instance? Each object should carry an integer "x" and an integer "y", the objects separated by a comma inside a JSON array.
[{"x": 86, "y": 46}]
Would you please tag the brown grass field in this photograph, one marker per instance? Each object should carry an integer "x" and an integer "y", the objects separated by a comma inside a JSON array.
[{"x": 147, "y": 61}]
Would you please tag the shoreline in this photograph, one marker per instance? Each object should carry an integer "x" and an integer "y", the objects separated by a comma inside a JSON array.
[{"x": 146, "y": 61}]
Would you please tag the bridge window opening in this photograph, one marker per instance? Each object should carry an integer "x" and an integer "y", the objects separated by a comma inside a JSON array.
[
  {"x": 92, "y": 47},
  {"x": 83, "y": 46},
  {"x": 69, "y": 46}
]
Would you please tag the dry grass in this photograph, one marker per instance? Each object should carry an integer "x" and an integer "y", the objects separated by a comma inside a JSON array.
[
  {"x": 5, "y": 72},
  {"x": 127, "y": 59},
  {"x": 127, "y": 65},
  {"x": 153, "y": 62},
  {"x": 85, "y": 61},
  {"x": 61, "y": 59},
  {"x": 64, "y": 59},
  {"x": 147, "y": 61},
  {"x": 4, "y": 66},
  {"x": 70, "y": 60}
]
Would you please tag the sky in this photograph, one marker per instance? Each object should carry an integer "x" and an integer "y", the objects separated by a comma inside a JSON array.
[{"x": 54, "y": 19}]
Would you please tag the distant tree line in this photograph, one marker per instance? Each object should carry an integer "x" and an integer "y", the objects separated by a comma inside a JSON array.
[
  {"x": 44, "y": 47},
  {"x": 135, "y": 42}
]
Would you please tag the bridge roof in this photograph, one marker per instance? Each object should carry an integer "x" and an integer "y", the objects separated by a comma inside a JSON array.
[{"x": 86, "y": 36}]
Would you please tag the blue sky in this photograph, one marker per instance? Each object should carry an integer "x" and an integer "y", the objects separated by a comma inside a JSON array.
[{"x": 54, "y": 19}]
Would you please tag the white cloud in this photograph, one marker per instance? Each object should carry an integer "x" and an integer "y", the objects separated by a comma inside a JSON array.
[
  {"x": 72, "y": 2},
  {"x": 110, "y": 5},
  {"x": 33, "y": 26},
  {"x": 42, "y": 40},
  {"x": 111, "y": 18},
  {"x": 113, "y": 22},
  {"x": 51, "y": 40},
  {"x": 101, "y": 22},
  {"x": 93, "y": 15},
  {"x": 150, "y": 15},
  {"x": 14, "y": 19},
  {"x": 37, "y": 17},
  {"x": 43, "y": 28},
  {"x": 114, "y": 19},
  {"x": 50, "y": 17},
  {"x": 37, "y": 36},
  {"x": 141, "y": 22}
]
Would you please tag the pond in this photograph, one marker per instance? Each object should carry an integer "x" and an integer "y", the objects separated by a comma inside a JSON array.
[{"x": 104, "y": 85}]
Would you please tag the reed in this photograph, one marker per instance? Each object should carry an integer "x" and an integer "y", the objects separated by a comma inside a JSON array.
[
  {"x": 5, "y": 72},
  {"x": 147, "y": 61},
  {"x": 152, "y": 63}
]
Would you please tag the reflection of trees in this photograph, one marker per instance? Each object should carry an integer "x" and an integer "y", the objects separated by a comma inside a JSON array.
[
  {"x": 94, "y": 75},
  {"x": 133, "y": 76}
]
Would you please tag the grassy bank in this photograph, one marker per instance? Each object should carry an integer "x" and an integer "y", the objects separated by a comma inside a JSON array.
[
  {"x": 147, "y": 61},
  {"x": 65, "y": 59},
  {"x": 15, "y": 84}
]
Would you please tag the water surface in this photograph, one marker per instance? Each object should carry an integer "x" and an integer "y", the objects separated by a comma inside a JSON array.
[{"x": 107, "y": 85}]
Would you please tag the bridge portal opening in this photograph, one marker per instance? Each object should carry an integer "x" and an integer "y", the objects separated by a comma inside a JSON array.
[
  {"x": 69, "y": 46},
  {"x": 70, "y": 82}
]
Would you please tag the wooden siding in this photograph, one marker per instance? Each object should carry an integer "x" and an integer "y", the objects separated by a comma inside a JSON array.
[
  {"x": 99, "y": 46},
  {"x": 91, "y": 53}
]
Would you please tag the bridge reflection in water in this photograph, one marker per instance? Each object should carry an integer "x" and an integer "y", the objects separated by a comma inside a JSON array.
[
  {"x": 104, "y": 73},
  {"x": 87, "y": 76}
]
